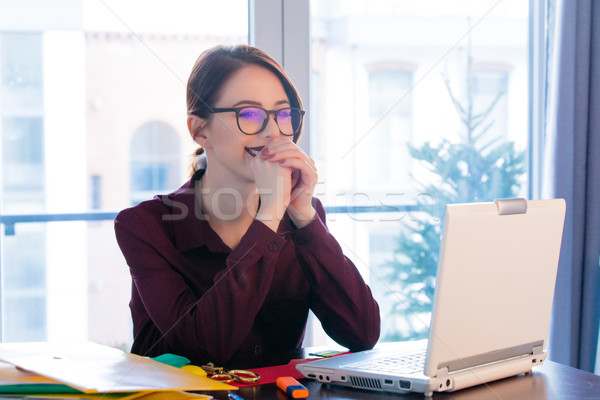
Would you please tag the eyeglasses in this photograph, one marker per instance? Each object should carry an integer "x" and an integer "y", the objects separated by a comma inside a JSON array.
[{"x": 253, "y": 120}]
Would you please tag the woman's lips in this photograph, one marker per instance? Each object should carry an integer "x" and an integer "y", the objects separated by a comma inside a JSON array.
[{"x": 253, "y": 151}]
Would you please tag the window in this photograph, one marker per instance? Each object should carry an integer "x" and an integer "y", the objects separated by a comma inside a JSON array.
[
  {"x": 22, "y": 122},
  {"x": 92, "y": 109},
  {"x": 387, "y": 80},
  {"x": 24, "y": 284},
  {"x": 490, "y": 89},
  {"x": 23, "y": 154},
  {"x": 155, "y": 161},
  {"x": 389, "y": 111},
  {"x": 419, "y": 104}
]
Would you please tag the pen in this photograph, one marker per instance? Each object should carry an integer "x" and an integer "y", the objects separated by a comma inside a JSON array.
[
  {"x": 292, "y": 387},
  {"x": 233, "y": 396}
]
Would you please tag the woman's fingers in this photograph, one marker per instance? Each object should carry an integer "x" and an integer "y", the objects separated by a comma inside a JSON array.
[
  {"x": 307, "y": 170},
  {"x": 285, "y": 154}
]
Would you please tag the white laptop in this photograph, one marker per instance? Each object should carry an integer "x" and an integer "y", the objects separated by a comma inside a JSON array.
[{"x": 492, "y": 305}]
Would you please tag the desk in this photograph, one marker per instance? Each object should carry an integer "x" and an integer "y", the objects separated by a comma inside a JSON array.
[{"x": 547, "y": 382}]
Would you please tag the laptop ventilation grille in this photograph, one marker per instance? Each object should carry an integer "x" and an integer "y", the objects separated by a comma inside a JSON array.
[{"x": 365, "y": 383}]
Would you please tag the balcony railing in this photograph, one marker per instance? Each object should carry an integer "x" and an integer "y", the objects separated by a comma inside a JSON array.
[{"x": 10, "y": 220}]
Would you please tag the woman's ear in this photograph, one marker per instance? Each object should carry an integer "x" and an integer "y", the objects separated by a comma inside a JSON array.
[{"x": 197, "y": 128}]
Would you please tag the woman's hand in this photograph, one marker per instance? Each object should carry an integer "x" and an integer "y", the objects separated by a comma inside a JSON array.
[
  {"x": 273, "y": 182},
  {"x": 303, "y": 178}
]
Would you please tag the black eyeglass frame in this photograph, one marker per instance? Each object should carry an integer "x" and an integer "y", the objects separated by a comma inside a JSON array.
[{"x": 274, "y": 113}]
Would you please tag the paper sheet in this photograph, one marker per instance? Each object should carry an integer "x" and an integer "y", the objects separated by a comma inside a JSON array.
[{"x": 93, "y": 368}]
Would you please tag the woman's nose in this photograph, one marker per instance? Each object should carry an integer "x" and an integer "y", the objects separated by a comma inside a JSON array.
[{"x": 272, "y": 129}]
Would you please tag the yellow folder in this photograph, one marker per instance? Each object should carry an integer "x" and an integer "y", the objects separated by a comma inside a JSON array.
[{"x": 94, "y": 368}]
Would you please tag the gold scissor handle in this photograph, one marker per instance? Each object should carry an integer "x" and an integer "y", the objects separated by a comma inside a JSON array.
[
  {"x": 244, "y": 376},
  {"x": 211, "y": 369},
  {"x": 238, "y": 375},
  {"x": 225, "y": 378}
]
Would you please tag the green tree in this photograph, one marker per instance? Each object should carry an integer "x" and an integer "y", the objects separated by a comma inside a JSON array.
[{"x": 476, "y": 168}]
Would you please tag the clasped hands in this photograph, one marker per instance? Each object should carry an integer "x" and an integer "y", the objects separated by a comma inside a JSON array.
[{"x": 285, "y": 178}]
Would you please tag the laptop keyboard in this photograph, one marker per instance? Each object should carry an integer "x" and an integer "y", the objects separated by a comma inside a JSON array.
[{"x": 393, "y": 364}]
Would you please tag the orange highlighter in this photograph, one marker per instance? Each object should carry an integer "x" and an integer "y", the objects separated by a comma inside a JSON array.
[{"x": 292, "y": 387}]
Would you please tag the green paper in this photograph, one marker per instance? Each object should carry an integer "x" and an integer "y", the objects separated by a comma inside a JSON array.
[
  {"x": 37, "y": 388},
  {"x": 172, "y": 359}
]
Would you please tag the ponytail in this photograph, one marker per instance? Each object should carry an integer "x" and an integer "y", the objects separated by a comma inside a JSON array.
[{"x": 198, "y": 160}]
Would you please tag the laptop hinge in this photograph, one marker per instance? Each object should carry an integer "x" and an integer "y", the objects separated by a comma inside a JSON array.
[
  {"x": 511, "y": 206},
  {"x": 538, "y": 350},
  {"x": 441, "y": 372}
]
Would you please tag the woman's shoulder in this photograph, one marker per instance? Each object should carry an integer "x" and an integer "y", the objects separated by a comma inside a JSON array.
[
  {"x": 154, "y": 209},
  {"x": 143, "y": 209},
  {"x": 143, "y": 221}
]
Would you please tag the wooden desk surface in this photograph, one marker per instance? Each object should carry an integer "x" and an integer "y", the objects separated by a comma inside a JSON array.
[{"x": 549, "y": 381}]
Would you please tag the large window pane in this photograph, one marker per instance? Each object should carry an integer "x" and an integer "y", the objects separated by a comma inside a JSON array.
[
  {"x": 93, "y": 116},
  {"x": 418, "y": 103},
  {"x": 155, "y": 158}
]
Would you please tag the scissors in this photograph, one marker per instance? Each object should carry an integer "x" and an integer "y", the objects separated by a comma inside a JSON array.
[{"x": 226, "y": 376}]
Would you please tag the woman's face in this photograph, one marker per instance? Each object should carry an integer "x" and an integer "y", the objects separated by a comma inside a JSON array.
[{"x": 228, "y": 147}]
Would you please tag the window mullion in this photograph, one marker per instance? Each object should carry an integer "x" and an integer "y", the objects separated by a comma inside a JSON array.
[
  {"x": 537, "y": 96},
  {"x": 265, "y": 26},
  {"x": 281, "y": 28},
  {"x": 296, "y": 55}
]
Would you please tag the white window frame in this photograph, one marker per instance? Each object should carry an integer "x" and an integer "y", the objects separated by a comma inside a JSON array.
[
  {"x": 282, "y": 29},
  {"x": 537, "y": 95}
]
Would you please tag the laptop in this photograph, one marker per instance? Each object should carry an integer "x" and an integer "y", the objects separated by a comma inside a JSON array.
[{"x": 491, "y": 309}]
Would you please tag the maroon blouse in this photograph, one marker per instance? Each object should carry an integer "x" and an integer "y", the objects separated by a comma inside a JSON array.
[{"x": 194, "y": 296}]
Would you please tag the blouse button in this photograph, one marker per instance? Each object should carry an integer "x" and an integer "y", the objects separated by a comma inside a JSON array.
[{"x": 272, "y": 246}]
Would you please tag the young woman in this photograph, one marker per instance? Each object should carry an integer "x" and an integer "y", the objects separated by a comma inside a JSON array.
[{"x": 230, "y": 264}]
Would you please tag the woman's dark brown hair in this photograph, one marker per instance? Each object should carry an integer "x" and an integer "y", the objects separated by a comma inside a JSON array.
[{"x": 215, "y": 66}]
